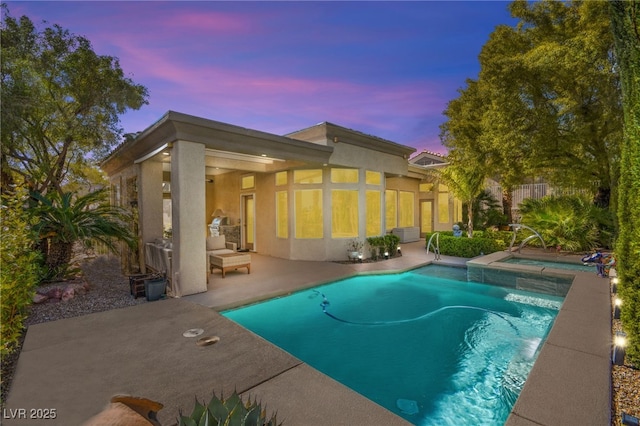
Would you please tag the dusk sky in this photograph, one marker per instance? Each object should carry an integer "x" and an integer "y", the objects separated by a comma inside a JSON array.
[{"x": 383, "y": 68}]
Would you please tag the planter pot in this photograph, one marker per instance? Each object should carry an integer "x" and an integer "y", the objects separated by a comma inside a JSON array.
[
  {"x": 155, "y": 288},
  {"x": 354, "y": 256}
]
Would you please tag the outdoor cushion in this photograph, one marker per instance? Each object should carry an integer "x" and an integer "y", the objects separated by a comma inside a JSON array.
[{"x": 216, "y": 243}]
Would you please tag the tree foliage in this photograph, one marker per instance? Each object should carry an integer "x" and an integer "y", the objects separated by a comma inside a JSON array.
[
  {"x": 465, "y": 185},
  {"x": 546, "y": 102},
  {"x": 625, "y": 17},
  {"x": 19, "y": 272},
  {"x": 60, "y": 104}
]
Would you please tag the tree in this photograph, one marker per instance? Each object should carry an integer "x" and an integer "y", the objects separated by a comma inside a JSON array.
[
  {"x": 60, "y": 104},
  {"x": 625, "y": 18},
  {"x": 465, "y": 184},
  {"x": 548, "y": 97},
  {"x": 481, "y": 140},
  {"x": 65, "y": 219}
]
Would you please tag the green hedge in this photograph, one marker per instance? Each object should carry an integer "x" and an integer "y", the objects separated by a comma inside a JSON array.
[
  {"x": 627, "y": 247},
  {"x": 20, "y": 272},
  {"x": 468, "y": 247}
]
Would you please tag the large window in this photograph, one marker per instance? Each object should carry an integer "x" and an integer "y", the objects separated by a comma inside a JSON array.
[
  {"x": 374, "y": 215},
  {"x": 307, "y": 176},
  {"x": 308, "y": 213},
  {"x": 281, "y": 178},
  {"x": 248, "y": 182},
  {"x": 443, "y": 207},
  {"x": 457, "y": 210},
  {"x": 391, "y": 209},
  {"x": 426, "y": 187},
  {"x": 282, "y": 214},
  {"x": 344, "y": 175},
  {"x": 344, "y": 213},
  {"x": 426, "y": 222},
  {"x": 373, "y": 178},
  {"x": 406, "y": 208}
]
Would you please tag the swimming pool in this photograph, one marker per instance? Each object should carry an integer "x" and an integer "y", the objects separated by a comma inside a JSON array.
[
  {"x": 549, "y": 264},
  {"x": 426, "y": 344}
]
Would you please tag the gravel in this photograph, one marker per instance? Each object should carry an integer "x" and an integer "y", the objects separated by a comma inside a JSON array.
[
  {"x": 626, "y": 386},
  {"x": 109, "y": 289}
]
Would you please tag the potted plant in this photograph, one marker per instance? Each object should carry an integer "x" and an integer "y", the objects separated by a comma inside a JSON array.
[{"x": 354, "y": 249}]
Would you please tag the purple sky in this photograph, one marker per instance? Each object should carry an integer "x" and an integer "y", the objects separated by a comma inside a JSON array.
[{"x": 382, "y": 68}]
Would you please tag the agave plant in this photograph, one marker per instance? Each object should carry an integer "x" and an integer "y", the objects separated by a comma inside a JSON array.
[
  {"x": 66, "y": 218},
  {"x": 230, "y": 411}
]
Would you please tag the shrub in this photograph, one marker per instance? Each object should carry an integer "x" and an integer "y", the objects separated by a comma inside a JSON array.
[
  {"x": 375, "y": 244},
  {"x": 391, "y": 242},
  {"x": 379, "y": 245},
  {"x": 468, "y": 247},
  {"x": 571, "y": 222},
  {"x": 19, "y": 273}
]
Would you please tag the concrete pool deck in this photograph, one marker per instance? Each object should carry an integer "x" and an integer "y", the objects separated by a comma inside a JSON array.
[{"x": 75, "y": 365}]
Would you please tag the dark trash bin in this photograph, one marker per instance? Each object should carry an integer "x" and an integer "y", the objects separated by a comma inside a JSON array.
[{"x": 155, "y": 288}]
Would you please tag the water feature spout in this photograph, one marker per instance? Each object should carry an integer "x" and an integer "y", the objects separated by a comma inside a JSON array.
[{"x": 516, "y": 227}]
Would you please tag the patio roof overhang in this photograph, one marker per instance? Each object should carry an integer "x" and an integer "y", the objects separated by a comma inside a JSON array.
[{"x": 216, "y": 137}]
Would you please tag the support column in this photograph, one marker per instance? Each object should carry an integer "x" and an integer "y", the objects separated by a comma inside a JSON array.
[
  {"x": 149, "y": 205},
  {"x": 188, "y": 208}
]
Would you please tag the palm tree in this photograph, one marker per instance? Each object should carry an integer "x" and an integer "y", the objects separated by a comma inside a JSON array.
[
  {"x": 67, "y": 218},
  {"x": 571, "y": 222},
  {"x": 465, "y": 184}
]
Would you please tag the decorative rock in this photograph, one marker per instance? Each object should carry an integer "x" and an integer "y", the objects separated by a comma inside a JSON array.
[
  {"x": 79, "y": 288},
  {"x": 67, "y": 294},
  {"x": 39, "y": 298},
  {"x": 55, "y": 293}
]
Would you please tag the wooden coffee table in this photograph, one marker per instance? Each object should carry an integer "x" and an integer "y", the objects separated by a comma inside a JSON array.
[{"x": 230, "y": 261}]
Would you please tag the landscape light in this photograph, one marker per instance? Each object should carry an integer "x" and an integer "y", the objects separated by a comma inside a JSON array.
[
  {"x": 360, "y": 257},
  {"x": 619, "y": 343},
  {"x": 386, "y": 255},
  {"x": 614, "y": 285},
  {"x": 399, "y": 251},
  {"x": 616, "y": 308}
]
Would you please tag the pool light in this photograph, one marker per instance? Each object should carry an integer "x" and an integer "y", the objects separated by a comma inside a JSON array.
[
  {"x": 616, "y": 308},
  {"x": 619, "y": 344}
]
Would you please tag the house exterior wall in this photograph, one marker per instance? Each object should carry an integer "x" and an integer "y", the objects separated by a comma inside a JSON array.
[{"x": 184, "y": 149}]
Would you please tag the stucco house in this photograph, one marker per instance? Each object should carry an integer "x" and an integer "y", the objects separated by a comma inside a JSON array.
[{"x": 302, "y": 196}]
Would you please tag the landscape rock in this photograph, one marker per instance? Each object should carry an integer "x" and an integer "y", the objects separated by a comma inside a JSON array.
[
  {"x": 40, "y": 298},
  {"x": 54, "y": 293},
  {"x": 67, "y": 293}
]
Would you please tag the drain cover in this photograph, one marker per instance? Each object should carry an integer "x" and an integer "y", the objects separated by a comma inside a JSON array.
[
  {"x": 206, "y": 341},
  {"x": 193, "y": 332}
]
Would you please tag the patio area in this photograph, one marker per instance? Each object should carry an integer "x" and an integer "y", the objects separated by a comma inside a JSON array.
[{"x": 76, "y": 365}]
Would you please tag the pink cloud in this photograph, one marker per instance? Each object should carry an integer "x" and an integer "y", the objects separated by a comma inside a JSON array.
[{"x": 210, "y": 22}]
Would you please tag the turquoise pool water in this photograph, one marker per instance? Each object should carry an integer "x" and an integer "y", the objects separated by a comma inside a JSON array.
[
  {"x": 548, "y": 264},
  {"x": 426, "y": 344}
]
